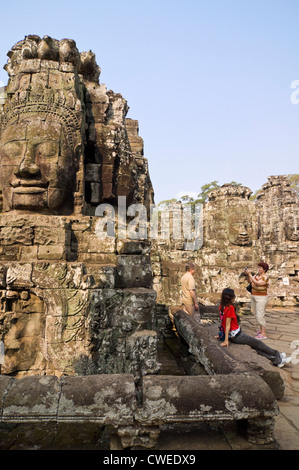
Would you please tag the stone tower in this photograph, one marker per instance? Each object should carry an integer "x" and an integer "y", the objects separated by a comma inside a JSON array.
[{"x": 71, "y": 303}]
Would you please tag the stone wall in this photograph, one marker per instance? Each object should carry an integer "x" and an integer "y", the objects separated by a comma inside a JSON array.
[{"x": 72, "y": 304}]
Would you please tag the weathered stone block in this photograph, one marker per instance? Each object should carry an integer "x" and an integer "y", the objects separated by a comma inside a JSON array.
[
  {"x": 97, "y": 258},
  {"x": 32, "y": 399},
  {"x": 141, "y": 350},
  {"x": 19, "y": 275},
  {"x": 217, "y": 360},
  {"x": 133, "y": 247},
  {"x": 16, "y": 235},
  {"x": 51, "y": 236},
  {"x": 9, "y": 253},
  {"x": 137, "y": 308},
  {"x": 51, "y": 252},
  {"x": 103, "y": 276},
  {"x": 28, "y": 253},
  {"x": 133, "y": 271},
  {"x": 107, "y": 399},
  {"x": 91, "y": 243},
  {"x": 93, "y": 172},
  {"x": 47, "y": 275},
  {"x": 169, "y": 399}
]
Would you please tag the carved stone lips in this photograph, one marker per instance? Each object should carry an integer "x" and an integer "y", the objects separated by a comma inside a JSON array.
[
  {"x": 28, "y": 190},
  {"x": 28, "y": 186},
  {"x": 294, "y": 237}
]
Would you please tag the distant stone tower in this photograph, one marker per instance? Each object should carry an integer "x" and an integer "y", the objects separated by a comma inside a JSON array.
[{"x": 238, "y": 231}]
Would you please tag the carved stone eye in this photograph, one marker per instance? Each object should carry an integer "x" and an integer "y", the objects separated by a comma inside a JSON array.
[
  {"x": 11, "y": 150},
  {"x": 47, "y": 149}
]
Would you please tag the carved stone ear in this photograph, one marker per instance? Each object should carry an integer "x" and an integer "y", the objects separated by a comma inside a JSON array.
[{"x": 78, "y": 155}]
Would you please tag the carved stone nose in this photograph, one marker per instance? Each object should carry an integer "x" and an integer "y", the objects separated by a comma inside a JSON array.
[{"x": 28, "y": 167}]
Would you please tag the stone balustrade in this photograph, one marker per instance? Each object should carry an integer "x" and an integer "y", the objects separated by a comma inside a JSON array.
[{"x": 131, "y": 413}]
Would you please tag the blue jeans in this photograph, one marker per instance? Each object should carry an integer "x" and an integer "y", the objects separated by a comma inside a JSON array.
[{"x": 261, "y": 348}]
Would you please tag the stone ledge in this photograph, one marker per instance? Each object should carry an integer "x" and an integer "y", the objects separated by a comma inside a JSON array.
[
  {"x": 111, "y": 401},
  {"x": 217, "y": 360},
  {"x": 106, "y": 399},
  {"x": 258, "y": 364}
]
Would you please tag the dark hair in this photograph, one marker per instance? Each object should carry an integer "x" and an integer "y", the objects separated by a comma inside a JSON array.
[
  {"x": 190, "y": 266},
  {"x": 227, "y": 297},
  {"x": 265, "y": 266}
]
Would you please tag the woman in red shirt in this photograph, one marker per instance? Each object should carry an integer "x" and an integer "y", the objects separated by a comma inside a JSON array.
[{"x": 232, "y": 332}]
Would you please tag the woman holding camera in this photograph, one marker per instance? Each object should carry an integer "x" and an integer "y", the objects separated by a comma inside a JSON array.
[{"x": 259, "y": 296}]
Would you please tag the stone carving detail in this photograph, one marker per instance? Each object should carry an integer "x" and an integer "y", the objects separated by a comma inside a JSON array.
[{"x": 69, "y": 301}]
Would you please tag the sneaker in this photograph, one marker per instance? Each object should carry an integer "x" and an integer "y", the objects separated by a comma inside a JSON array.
[
  {"x": 283, "y": 354},
  {"x": 284, "y": 361},
  {"x": 259, "y": 336}
]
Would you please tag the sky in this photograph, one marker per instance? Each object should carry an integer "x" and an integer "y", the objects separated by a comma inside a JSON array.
[{"x": 209, "y": 81}]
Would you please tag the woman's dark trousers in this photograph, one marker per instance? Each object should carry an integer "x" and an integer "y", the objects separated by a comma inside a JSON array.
[{"x": 260, "y": 347}]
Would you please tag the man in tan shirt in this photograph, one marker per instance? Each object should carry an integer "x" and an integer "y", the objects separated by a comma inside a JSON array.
[{"x": 189, "y": 299}]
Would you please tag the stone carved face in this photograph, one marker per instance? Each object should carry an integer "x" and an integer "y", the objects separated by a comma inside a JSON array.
[
  {"x": 239, "y": 234},
  {"x": 292, "y": 229},
  {"x": 240, "y": 226},
  {"x": 23, "y": 324},
  {"x": 36, "y": 166}
]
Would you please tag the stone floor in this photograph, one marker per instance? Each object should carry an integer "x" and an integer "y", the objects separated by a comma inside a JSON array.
[{"x": 282, "y": 331}]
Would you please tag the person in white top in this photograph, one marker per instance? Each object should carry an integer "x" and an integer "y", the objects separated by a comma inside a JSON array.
[{"x": 188, "y": 297}]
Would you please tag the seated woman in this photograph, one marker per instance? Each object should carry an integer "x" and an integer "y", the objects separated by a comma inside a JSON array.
[{"x": 232, "y": 332}]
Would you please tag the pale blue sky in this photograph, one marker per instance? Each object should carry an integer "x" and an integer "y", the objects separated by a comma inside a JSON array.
[{"x": 209, "y": 81}]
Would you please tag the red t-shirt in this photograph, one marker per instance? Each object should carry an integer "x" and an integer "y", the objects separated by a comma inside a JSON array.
[{"x": 229, "y": 312}]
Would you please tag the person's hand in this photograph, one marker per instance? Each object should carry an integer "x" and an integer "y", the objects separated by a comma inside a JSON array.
[
  {"x": 196, "y": 306},
  {"x": 224, "y": 344}
]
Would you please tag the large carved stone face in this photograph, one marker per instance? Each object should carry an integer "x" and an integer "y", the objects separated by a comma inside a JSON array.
[
  {"x": 36, "y": 166},
  {"x": 240, "y": 234},
  {"x": 240, "y": 228},
  {"x": 292, "y": 229}
]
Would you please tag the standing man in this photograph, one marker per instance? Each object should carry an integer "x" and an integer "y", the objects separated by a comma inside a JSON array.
[{"x": 189, "y": 299}]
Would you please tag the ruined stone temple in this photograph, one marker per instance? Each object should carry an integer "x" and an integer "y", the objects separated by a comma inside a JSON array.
[
  {"x": 81, "y": 316},
  {"x": 238, "y": 231}
]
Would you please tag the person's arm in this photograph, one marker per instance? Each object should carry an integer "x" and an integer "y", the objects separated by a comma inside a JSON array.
[
  {"x": 193, "y": 295},
  {"x": 260, "y": 282},
  {"x": 254, "y": 280},
  {"x": 227, "y": 328}
]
